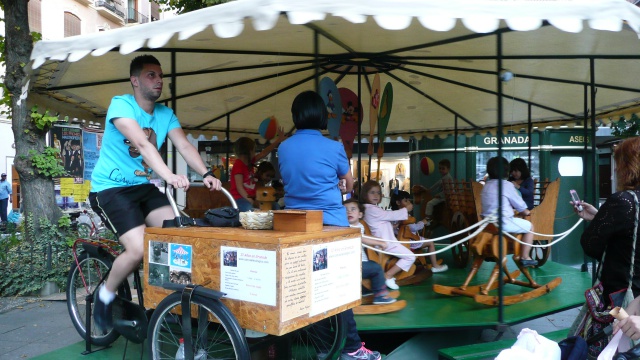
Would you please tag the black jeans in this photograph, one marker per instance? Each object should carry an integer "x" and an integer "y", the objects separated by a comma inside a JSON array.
[{"x": 3, "y": 209}]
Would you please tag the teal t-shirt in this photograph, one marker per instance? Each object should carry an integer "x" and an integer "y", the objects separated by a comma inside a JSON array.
[{"x": 120, "y": 164}]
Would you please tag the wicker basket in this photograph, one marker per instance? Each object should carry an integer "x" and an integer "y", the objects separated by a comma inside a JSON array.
[{"x": 256, "y": 220}]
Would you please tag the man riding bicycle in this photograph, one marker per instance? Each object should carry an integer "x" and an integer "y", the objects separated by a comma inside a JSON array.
[{"x": 121, "y": 193}]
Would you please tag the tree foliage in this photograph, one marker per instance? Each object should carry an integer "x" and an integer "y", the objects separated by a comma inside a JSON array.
[
  {"x": 184, "y": 6},
  {"x": 624, "y": 128}
]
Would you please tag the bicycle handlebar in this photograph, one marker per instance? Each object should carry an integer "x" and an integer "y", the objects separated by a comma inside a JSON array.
[{"x": 174, "y": 206}]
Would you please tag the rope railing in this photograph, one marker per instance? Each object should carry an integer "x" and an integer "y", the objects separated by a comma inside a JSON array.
[{"x": 481, "y": 225}]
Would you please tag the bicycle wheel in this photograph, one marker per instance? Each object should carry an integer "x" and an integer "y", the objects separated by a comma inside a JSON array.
[
  {"x": 215, "y": 331},
  {"x": 81, "y": 282},
  {"x": 322, "y": 340}
]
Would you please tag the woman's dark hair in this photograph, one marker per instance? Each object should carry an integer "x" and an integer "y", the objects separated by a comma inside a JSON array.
[
  {"x": 520, "y": 165},
  {"x": 498, "y": 167},
  {"x": 355, "y": 201},
  {"x": 401, "y": 195},
  {"x": 138, "y": 63},
  {"x": 309, "y": 111},
  {"x": 627, "y": 157},
  {"x": 366, "y": 187}
]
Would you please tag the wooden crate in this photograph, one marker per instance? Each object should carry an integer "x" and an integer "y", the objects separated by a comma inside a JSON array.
[{"x": 275, "y": 281}]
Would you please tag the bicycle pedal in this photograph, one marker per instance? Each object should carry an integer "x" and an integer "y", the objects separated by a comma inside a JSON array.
[{"x": 121, "y": 323}]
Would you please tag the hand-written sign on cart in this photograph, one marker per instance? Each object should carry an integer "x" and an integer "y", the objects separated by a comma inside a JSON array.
[{"x": 296, "y": 277}]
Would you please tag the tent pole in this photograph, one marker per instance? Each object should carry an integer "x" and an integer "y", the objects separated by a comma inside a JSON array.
[
  {"x": 477, "y": 88},
  {"x": 359, "y": 130},
  {"x": 455, "y": 148},
  {"x": 594, "y": 159},
  {"x": 594, "y": 162},
  {"x": 316, "y": 59},
  {"x": 585, "y": 110},
  {"x": 529, "y": 130},
  {"x": 501, "y": 249},
  {"x": 520, "y": 75},
  {"x": 174, "y": 106},
  {"x": 228, "y": 141},
  {"x": 432, "y": 99}
]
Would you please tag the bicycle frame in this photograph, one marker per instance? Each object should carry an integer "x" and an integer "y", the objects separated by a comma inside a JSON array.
[
  {"x": 97, "y": 249},
  {"x": 134, "y": 330}
]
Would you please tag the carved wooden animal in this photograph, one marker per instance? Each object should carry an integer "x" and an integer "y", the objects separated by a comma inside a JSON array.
[
  {"x": 485, "y": 247},
  {"x": 266, "y": 196},
  {"x": 413, "y": 276}
]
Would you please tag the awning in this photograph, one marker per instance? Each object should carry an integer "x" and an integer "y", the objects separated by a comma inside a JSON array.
[{"x": 245, "y": 61}]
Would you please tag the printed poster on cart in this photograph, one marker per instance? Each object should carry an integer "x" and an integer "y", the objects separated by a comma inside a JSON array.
[
  {"x": 248, "y": 274},
  {"x": 170, "y": 262},
  {"x": 336, "y": 274}
]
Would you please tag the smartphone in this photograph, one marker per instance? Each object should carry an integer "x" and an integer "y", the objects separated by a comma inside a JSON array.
[{"x": 576, "y": 200}]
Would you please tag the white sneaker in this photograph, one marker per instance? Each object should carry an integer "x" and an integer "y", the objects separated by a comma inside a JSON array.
[
  {"x": 441, "y": 268},
  {"x": 391, "y": 284}
]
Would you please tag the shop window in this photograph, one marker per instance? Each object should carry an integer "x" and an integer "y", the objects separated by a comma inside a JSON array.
[
  {"x": 72, "y": 24},
  {"x": 35, "y": 17},
  {"x": 483, "y": 156}
]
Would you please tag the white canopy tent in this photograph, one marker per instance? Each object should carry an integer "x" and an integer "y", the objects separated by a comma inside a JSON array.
[{"x": 244, "y": 61}]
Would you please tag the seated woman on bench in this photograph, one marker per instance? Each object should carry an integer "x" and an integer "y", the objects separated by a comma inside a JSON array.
[{"x": 498, "y": 169}]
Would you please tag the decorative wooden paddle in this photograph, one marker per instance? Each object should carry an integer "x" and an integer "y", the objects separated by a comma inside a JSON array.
[
  {"x": 351, "y": 119},
  {"x": 373, "y": 115},
  {"x": 383, "y": 119}
]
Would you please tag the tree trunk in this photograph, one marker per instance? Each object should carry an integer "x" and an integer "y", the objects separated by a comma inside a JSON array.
[{"x": 38, "y": 195}]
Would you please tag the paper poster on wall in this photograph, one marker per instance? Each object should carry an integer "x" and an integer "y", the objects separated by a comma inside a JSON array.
[
  {"x": 248, "y": 274},
  {"x": 336, "y": 274},
  {"x": 296, "y": 282},
  {"x": 91, "y": 143},
  {"x": 68, "y": 140}
]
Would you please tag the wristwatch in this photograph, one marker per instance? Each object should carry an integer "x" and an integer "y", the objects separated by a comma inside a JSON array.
[{"x": 208, "y": 173}]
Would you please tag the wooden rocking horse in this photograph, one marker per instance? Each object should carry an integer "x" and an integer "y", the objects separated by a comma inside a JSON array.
[
  {"x": 414, "y": 275},
  {"x": 485, "y": 247},
  {"x": 441, "y": 212},
  {"x": 367, "y": 306}
]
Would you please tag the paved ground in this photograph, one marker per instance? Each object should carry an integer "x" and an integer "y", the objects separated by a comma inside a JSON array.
[
  {"x": 31, "y": 326},
  {"x": 34, "y": 326}
]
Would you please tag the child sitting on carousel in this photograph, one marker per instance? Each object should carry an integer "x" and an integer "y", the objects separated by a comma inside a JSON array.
[
  {"x": 370, "y": 269},
  {"x": 401, "y": 200},
  {"x": 380, "y": 222}
]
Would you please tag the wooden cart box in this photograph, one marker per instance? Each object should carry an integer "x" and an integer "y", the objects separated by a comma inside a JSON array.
[{"x": 275, "y": 281}]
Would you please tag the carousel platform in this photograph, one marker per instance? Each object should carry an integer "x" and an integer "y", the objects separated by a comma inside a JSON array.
[{"x": 430, "y": 322}]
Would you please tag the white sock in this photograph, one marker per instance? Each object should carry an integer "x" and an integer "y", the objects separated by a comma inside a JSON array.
[{"x": 105, "y": 295}]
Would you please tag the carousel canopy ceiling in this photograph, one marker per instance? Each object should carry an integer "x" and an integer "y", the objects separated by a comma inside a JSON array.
[{"x": 246, "y": 60}]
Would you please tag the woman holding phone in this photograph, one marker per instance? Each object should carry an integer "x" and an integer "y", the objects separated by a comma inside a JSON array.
[{"x": 611, "y": 227}]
